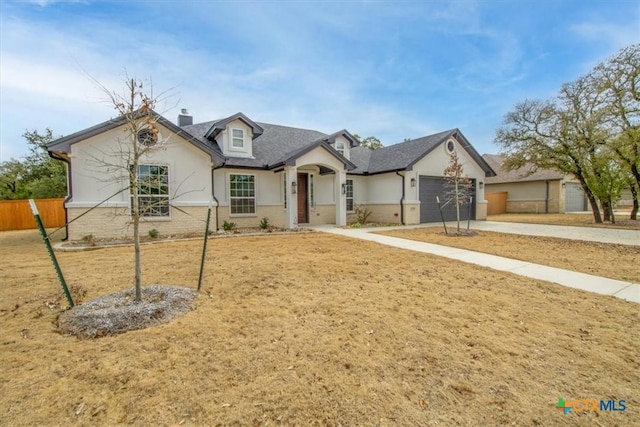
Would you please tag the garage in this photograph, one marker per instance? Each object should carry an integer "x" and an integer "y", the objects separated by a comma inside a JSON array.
[
  {"x": 430, "y": 187},
  {"x": 575, "y": 201}
]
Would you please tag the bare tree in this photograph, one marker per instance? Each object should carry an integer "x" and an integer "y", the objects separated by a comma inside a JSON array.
[
  {"x": 135, "y": 108},
  {"x": 458, "y": 185}
]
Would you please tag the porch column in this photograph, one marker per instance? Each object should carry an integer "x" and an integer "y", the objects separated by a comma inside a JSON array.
[
  {"x": 341, "y": 199},
  {"x": 291, "y": 219}
]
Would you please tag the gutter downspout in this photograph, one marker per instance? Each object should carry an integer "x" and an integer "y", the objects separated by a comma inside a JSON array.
[
  {"x": 546, "y": 198},
  {"x": 402, "y": 199},
  {"x": 214, "y": 195},
  {"x": 69, "y": 193}
]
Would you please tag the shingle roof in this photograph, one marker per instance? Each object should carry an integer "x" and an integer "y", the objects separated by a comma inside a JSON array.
[
  {"x": 276, "y": 145},
  {"x": 404, "y": 155},
  {"x": 63, "y": 145},
  {"x": 522, "y": 174}
]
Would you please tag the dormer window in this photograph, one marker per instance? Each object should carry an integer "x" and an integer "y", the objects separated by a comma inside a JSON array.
[
  {"x": 237, "y": 139},
  {"x": 340, "y": 147}
]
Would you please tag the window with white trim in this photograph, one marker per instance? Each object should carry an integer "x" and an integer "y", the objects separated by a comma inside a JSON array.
[
  {"x": 349, "y": 192},
  {"x": 340, "y": 147},
  {"x": 237, "y": 138},
  {"x": 242, "y": 194},
  {"x": 153, "y": 191}
]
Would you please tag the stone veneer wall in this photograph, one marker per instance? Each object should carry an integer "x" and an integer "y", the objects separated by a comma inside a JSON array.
[{"x": 116, "y": 222}]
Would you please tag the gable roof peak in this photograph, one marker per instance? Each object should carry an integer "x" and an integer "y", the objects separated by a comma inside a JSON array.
[{"x": 219, "y": 125}]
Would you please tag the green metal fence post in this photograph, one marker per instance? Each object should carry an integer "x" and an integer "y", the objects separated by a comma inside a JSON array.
[
  {"x": 204, "y": 247},
  {"x": 52, "y": 255}
]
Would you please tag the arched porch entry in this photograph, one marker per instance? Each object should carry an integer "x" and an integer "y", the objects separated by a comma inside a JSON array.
[{"x": 312, "y": 189}]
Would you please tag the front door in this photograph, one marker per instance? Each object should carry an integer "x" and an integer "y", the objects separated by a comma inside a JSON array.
[{"x": 303, "y": 206}]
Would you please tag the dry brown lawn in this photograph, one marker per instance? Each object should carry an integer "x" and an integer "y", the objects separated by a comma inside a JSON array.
[
  {"x": 580, "y": 220},
  {"x": 312, "y": 329},
  {"x": 600, "y": 259}
]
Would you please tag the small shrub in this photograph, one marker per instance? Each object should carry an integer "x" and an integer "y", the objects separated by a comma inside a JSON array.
[
  {"x": 361, "y": 214},
  {"x": 264, "y": 223},
  {"x": 228, "y": 226},
  {"x": 356, "y": 225},
  {"x": 153, "y": 233},
  {"x": 89, "y": 239}
]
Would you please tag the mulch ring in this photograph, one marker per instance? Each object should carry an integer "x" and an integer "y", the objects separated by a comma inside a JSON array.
[{"x": 118, "y": 313}]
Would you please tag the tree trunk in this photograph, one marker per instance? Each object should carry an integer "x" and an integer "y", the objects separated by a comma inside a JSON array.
[
  {"x": 136, "y": 250},
  {"x": 594, "y": 208},
  {"x": 606, "y": 210},
  {"x": 634, "y": 195}
]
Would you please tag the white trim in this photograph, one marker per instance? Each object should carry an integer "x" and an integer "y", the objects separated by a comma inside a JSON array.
[
  {"x": 231, "y": 138},
  {"x": 353, "y": 195},
  {"x": 168, "y": 196},
  {"x": 446, "y": 146},
  {"x": 255, "y": 194}
]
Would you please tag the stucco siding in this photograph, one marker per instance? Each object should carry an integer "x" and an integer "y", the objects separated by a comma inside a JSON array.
[{"x": 100, "y": 169}]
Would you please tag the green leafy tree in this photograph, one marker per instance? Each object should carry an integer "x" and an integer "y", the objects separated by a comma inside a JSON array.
[
  {"x": 37, "y": 175},
  {"x": 589, "y": 130},
  {"x": 12, "y": 184},
  {"x": 371, "y": 142},
  {"x": 618, "y": 79}
]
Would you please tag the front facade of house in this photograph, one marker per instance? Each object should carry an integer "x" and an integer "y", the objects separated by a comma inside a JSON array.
[{"x": 248, "y": 171}]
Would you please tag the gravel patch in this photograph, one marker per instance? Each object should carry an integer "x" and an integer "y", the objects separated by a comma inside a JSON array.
[{"x": 117, "y": 313}]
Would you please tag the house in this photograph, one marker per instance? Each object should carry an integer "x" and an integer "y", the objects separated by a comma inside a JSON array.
[
  {"x": 530, "y": 190},
  {"x": 250, "y": 170}
]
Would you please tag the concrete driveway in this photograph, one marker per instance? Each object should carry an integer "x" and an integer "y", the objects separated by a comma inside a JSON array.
[{"x": 591, "y": 234}]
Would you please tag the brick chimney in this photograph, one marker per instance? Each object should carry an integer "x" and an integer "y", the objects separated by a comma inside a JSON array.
[{"x": 184, "y": 118}]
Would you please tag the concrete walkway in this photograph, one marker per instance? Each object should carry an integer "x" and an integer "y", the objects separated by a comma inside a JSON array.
[{"x": 601, "y": 285}]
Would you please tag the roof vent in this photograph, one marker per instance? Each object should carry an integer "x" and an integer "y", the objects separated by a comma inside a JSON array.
[{"x": 184, "y": 118}]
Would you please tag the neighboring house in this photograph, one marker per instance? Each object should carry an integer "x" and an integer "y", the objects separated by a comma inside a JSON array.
[
  {"x": 543, "y": 191},
  {"x": 249, "y": 171}
]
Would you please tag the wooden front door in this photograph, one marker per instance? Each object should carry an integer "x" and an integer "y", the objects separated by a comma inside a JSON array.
[{"x": 303, "y": 206}]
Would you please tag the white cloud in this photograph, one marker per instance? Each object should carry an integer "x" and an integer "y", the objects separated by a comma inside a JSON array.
[
  {"x": 614, "y": 35},
  {"x": 47, "y": 3}
]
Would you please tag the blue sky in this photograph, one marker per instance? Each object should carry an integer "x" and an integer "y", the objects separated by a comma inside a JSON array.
[{"x": 392, "y": 69}]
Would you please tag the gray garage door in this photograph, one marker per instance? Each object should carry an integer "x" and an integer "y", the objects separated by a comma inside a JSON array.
[
  {"x": 430, "y": 187},
  {"x": 574, "y": 198}
]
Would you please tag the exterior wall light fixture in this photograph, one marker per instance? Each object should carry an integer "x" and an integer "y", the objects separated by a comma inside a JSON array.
[
  {"x": 294, "y": 186},
  {"x": 413, "y": 182}
]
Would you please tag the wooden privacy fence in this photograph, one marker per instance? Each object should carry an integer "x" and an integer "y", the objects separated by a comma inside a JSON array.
[
  {"x": 17, "y": 215},
  {"x": 497, "y": 203}
]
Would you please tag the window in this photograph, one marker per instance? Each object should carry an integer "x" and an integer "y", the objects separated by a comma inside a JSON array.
[
  {"x": 242, "y": 194},
  {"x": 340, "y": 147},
  {"x": 153, "y": 191},
  {"x": 148, "y": 137},
  {"x": 451, "y": 146},
  {"x": 237, "y": 138},
  {"x": 349, "y": 195}
]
